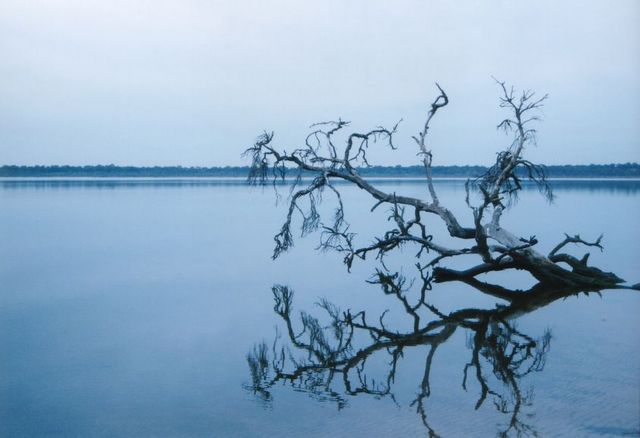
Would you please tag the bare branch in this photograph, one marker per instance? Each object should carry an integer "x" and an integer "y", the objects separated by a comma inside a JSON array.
[{"x": 578, "y": 240}]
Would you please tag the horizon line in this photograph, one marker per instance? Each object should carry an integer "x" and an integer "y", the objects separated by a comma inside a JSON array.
[{"x": 247, "y": 166}]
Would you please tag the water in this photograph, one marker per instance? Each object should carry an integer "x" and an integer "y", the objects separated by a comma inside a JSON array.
[{"x": 127, "y": 308}]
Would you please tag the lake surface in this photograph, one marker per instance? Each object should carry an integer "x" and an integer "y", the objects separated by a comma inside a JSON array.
[{"x": 127, "y": 308}]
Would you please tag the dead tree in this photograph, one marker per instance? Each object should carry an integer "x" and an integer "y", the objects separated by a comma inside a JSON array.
[
  {"x": 331, "y": 354},
  {"x": 318, "y": 358},
  {"x": 324, "y": 160}
]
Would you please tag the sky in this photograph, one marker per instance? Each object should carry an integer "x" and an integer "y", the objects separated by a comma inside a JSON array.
[{"x": 194, "y": 82}]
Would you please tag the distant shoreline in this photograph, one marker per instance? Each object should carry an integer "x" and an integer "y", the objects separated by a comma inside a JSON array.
[
  {"x": 589, "y": 171},
  {"x": 287, "y": 179}
]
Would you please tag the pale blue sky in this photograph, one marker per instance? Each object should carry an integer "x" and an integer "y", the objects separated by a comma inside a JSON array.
[{"x": 193, "y": 82}]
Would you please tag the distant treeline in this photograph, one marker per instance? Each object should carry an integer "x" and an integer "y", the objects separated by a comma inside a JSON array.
[{"x": 627, "y": 170}]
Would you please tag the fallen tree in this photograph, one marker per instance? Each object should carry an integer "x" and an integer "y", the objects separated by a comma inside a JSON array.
[
  {"x": 497, "y": 248},
  {"x": 331, "y": 359}
]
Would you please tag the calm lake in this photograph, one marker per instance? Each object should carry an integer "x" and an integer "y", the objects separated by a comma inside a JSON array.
[{"x": 128, "y": 307}]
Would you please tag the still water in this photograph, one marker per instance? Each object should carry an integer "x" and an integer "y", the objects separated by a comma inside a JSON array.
[{"x": 128, "y": 307}]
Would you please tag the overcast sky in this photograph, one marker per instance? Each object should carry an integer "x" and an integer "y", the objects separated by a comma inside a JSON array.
[{"x": 194, "y": 82}]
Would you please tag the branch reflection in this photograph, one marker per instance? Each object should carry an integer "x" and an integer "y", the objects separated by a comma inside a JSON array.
[{"x": 332, "y": 359}]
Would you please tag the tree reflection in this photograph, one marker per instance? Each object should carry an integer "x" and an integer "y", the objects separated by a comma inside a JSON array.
[
  {"x": 331, "y": 357},
  {"x": 334, "y": 360}
]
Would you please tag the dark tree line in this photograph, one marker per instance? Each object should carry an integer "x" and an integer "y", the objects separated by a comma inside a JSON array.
[{"x": 627, "y": 170}]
